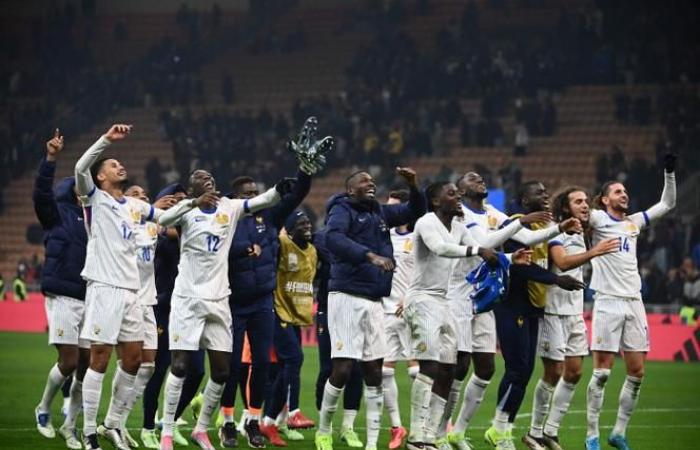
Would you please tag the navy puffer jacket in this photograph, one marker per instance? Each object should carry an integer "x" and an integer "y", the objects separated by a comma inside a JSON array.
[{"x": 65, "y": 238}]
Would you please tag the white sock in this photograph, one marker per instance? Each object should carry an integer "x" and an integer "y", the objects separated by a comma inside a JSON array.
[
  {"x": 391, "y": 396},
  {"x": 594, "y": 400},
  {"x": 53, "y": 383},
  {"x": 281, "y": 420},
  {"x": 420, "y": 401},
  {"x": 329, "y": 404},
  {"x": 173, "y": 389},
  {"x": 473, "y": 396},
  {"x": 436, "y": 409},
  {"x": 122, "y": 389},
  {"x": 500, "y": 421},
  {"x": 348, "y": 422},
  {"x": 66, "y": 401},
  {"x": 452, "y": 400},
  {"x": 75, "y": 400},
  {"x": 413, "y": 372},
  {"x": 212, "y": 395},
  {"x": 374, "y": 404},
  {"x": 629, "y": 395},
  {"x": 142, "y": 376},
  {"x": 540, "y": 407},
  {"x": 92, "y": 391},
  {"x": 561, "y": 400}
]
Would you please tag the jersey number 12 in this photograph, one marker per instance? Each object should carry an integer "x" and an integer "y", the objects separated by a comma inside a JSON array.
[{"x": 213, "y": 243}]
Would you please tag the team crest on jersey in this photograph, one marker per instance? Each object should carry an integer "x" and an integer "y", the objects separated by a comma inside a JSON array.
[
  {"x": 599, "y": 340},
  {"x": 176, "y": 337},
  {"x": 59, "y": 332},
  {"x": 339, "y": 345},
  {"x": 520, "y": 321},
  {"x": 96, "y": 330},
  {"x": 222, "y": 218},
  {"x": 135, "y": 216},
  {"x": 492, "y": 222},
  {"x": 159, "y": 330},
  {"x": 545, "y": 346},
  {"x": 407, "y": 246},
  {"x": 632, "y": 228},
  {"x": 152, "y": 229},
  {"x": 422, "y": 347},
  {"x": 382, "y": 226}
]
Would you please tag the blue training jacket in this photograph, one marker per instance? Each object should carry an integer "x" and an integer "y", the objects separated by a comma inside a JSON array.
[
  {"x": 356, "y": 228},
  {"x": 65, "y": 237},
  {"x": 167, "y": 257},
  {"x": 255, "y": 278}
]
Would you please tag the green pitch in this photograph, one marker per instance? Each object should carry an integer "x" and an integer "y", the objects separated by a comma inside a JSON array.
[{"x": 666, "y": 417}]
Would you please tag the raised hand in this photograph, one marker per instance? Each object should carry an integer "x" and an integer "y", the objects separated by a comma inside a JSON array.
[
  {"x": 165, "y": 202},
  {"x": 571, "y": 225},
  {"x": 409, "y": 175},
  {"x": 285, "y": 186},
  {"x": 536, "y": 217},
  {"x": 309, "y": 151},
  {"x": 54, "y": 146},
  {"x": 606, "y": 246},
  {"x": 522, "y": 256},
  {"x": 386, "y": 264},
  {"x": 117, "y": 132},
  {"x": 206, "y": 200},
  {"x": 670, "y": 159}
]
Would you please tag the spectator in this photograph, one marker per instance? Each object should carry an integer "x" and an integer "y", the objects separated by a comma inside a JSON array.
[{"x": 522, "y": 140}]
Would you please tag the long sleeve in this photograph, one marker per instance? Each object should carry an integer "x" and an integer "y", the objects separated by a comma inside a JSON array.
[
  {"x": 405, "y": 213},
  {"x": 495, "y": 238},
  {"x": 667, "y": 202},
  {"x": 172, "y": 216},
  {"x": 83, "y": 178},
  {"x": 43, "y": 196},
  {"x": 265, "y": 200},
  {"x": 337, "y": 239},
  {"x": 291, "y": 201},
  {"x": 530, "y": 237},
  {"x": 436, "y": 244},
  {"x": 534, "y": 272}
]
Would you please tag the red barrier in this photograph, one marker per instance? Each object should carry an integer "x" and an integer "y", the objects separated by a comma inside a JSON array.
[{"x": 670, "y": 340}]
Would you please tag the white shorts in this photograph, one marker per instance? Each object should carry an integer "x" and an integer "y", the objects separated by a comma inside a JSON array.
[
  {"x": 561, "y": 337},
  {"x": 461, "y": 312},
  {"x": 150, "y": 329},
  {"x": 112, "y": 315},
  {"x": 65, "y": 317},
  {"x": 484, "y": 333},
  {"x": 432, "y": 329},
  {"x": 356, "y": 326},
  {"x": 200, "y": 324},
  {"x": 619, "y": 324},
  {"x": 398, "y": 338}
]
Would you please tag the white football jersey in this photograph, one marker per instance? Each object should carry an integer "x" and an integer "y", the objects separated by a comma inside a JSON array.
[
  {"x": 403, "y": 255},
  {"x": 146, "y": 240},
  {"x": 617, "y": 273},
  {"x": 431, "y": 272},
  {"x": 559, "y": 301},
  {"x": 205, "y": 240},
  {"x": 111, "y": 249}
]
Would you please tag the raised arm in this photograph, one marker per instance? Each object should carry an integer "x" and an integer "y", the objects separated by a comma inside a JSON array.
[
  {"x": 265, "y": 200},
  {"x": 405, "y": 213},
  {"x": 292, "y": 200},
  {"x": 83, "y": 178},
  {"x": 667, "y": 202},
  {"x": 172, "y": 216},
  {"x": 43, "y": 196}
]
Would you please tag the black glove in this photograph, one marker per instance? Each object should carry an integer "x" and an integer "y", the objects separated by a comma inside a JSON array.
[
  {"x": 285, "y": 186},
  {"x": 670, "y": 162}
]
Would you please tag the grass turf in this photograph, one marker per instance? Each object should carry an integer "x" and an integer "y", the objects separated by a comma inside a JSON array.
[{"x": 666, "y": 415}]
